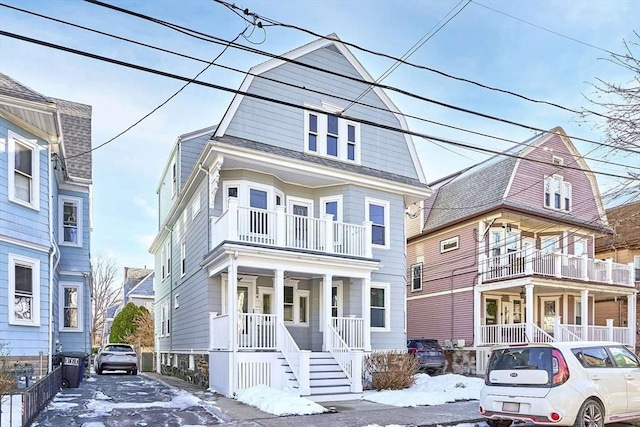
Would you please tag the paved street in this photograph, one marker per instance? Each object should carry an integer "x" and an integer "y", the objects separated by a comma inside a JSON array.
[{"x": 121, "y": 400}]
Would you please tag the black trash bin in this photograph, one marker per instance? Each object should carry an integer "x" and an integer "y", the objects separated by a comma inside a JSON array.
[{"x": 72, "y": 368}]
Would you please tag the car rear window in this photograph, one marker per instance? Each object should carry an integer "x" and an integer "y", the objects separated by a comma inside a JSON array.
[
  {"x": 119, "y": 348},
  {"x": 521, "y": 358}
]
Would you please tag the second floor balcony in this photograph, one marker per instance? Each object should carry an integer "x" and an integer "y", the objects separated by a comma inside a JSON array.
[
  {"x": 529, "y": 261},
  {"x": 280, "y": 229}
]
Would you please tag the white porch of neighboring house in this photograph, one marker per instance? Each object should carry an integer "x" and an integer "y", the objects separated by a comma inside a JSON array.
[{"x": 249, "y": 346}]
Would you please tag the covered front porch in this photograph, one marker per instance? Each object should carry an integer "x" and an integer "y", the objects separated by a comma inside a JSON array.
[
  {"x": 289, "y": 320},
  {"x": 527, "y": 310}
]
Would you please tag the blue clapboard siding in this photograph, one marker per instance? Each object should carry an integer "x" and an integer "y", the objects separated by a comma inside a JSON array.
[
  {"x": 190, "y": 150},
  {"x": 75, "y": 258},
  {"x": 165, "y": 196},
  {"x": 282, "y": 126}
]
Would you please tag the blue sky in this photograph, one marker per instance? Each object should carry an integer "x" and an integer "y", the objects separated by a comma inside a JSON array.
[{"x": 478, "y": 44}]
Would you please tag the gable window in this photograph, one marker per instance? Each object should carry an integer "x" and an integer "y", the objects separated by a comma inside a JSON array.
[
  {"x": 24, "y": 291},
  {"x": 378, "y": 213},
  {"x": 416, "y": 277},
  {"x": 332, "y": 136},
  {"x": 557, "y": 193},
  {"x": 450, "y": 244},
  {"x": 70, "y": 217},
  {"x": 183, "y": 258},
  {"x": 380, "y": 306},
  {"x": 70, "y": 301},
  {"x": 557, "y": 160},
  {"x": 23, "y": 171}
]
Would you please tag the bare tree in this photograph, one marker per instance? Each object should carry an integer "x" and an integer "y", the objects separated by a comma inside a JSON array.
[
  {"x": 104, "y": 291},
  {"x": 619, "y": 103}
]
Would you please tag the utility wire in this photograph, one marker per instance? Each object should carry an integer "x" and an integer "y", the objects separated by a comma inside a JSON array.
[
  {"x": 217, "y": 40},
  {"x": 289, "y": 104},
  {"x": 428, "y": 36},
  {"x": 422, "y": 67},
  {"x": 545, "y": 29}
]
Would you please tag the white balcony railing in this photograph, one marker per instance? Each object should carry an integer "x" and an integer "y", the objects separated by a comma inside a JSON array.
[
  {"x": 533, "y": 261},
  {"x": 286, "y": 230},
  {"x": 256, "y": 331},
  {"x": 351, "y": 330}
]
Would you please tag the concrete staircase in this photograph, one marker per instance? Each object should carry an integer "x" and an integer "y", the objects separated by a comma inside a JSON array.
[{"x": 327, "y": 380}]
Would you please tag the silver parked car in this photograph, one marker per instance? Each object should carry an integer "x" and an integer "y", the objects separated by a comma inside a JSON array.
[{"x": 116, "y": 357}]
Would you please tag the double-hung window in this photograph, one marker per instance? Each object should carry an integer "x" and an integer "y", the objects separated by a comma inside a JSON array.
[
  {"x": 296, "y": 305},
  {"x": 327, "y": 134},
  {"x": 24, "y": 291},
  {"x": 165, "y": 259},
  {"x": 165, "y": 324},
  {"x": 183, "y": 258},
  {"x": 70, "y": 217},
  {"x": 24, "y": 167},
  {"x": 377, "y": 212},
  {"x": 380, "y": 306},
  {"x": 557, "y": 193},
  {"x": 416, "y": 277},
  {"x": 549, "y": 244},
  {"x": 70, "y": 302}
]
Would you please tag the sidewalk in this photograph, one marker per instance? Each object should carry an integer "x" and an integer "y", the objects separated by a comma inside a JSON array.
[{"x": 352, "y": 413}]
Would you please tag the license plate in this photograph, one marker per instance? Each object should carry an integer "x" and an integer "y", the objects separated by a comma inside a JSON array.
[{"x": 510, "y": 407}]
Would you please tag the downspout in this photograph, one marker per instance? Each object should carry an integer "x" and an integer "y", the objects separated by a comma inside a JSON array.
[
  {"x": 170, "y": 288},
  {"x": 54, "y": 252},
  {"x": 475, "y": 259}
]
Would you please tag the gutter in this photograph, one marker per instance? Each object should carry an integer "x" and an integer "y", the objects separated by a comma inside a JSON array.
[{"x": 54, "y": 252}]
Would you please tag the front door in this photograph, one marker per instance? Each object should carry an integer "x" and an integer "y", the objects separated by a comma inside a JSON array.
[
  {"x": 298, "y": 229},
  {"x": 549, "y": 311}
]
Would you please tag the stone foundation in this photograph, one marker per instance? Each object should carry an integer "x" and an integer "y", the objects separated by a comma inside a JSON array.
[
  {"x": 460, "y": 361},
  {"x": 199, "y": 376}
]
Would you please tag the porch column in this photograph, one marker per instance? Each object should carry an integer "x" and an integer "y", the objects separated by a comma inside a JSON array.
[
  {"x": 278, "y": 296},
  {"x": 281, "y": 226},
  {"x": 477, "y": 316},
  {"x": 232, "y": 302},
  {"x": 584, "y": 313},
  {"x": 232, "y": 225},
  {"x": 366, "y": 313},
  {"x": 528, "y": 304},
  {"x": 631, "y": 319},
  {"x": 325, "y": 318}
]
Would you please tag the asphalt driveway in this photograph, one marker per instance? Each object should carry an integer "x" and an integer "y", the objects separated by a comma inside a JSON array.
[{"x": 116, "y": 399}]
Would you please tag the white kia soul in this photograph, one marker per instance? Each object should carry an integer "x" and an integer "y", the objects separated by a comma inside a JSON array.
[{"x": 581, "y": 383}]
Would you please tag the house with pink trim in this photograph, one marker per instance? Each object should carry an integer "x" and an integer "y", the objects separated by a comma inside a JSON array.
[{"x": 503, "y": 252}]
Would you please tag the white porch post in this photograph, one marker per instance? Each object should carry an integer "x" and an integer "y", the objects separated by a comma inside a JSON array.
[
  {"x": 557, "y": 263},
  {"x": 278, "y": 296},
  {"x": 281, "y": 227},
  {"x": 584, "y": 313},
  {"x": 557, "y": 334},
  {"x": 366, "y": 313},
  {"x": 609, "y": 329},
  {"x": 631, "y": 319},
  {"x": 328, "y": 236},
  {"x": 477, "y": 314},
  {"x": 609, "y": 265},
  {"x": 368, "y": 235},
  {"x": 584, "y": 266},
  {"x": 232, "y": 227},
  {"x": 232, "y": 311},
  {"x": 327, "y": 282},
  {"x": 528, "y": 304}
]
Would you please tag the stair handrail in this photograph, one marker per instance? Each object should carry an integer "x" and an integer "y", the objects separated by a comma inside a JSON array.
[
  {"x": 290, "y": 350},
  {"x": 566, "y": 332},
  {"x": 340, "y": 351}
]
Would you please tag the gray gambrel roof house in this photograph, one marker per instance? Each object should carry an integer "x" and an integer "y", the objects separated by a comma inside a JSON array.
[{"x": 75, "y": 120}]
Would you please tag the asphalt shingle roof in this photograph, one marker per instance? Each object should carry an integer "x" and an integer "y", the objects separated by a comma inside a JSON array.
[
  {"x": 75, "y": 120},
  {"x": 145, "y": 287},
  {"x": 12, "y": 87}
]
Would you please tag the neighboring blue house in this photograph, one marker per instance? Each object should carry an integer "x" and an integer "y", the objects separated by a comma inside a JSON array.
[
  {"x": 45, "y": 225},
  {"x": 138, "y": 289},
  {"x": 280, "y": 253}
]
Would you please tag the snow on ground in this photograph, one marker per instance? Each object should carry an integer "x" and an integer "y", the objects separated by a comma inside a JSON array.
[
  {"x": 182, "y": 400},
  {"x": 430, "y": 391},
  {"x": 426, "y": 391},
  {"x": 278, "y": 402}
]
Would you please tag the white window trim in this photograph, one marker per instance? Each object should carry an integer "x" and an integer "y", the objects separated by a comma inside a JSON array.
[
  {"x": 196, "y": 206},
  {"x": 174, "y": 179},
  {"x": 32, "y": 144},
  {"x": 413, "y": 277},
  {"x": 387, "y": 306},
  {"x": 443, "y": 243},
  {"x": 297, "y": 293},
  {"x": 552, "y": 193},
  {"x": 321, "y": 135},
  {"x": 78, "y": 286},
  {"x": 35, "y": 308},
  {"x": 165, "y": 260},
  {"x": 324, "y": 200},
  {"x": 183, "y": 258},
  {"x": 176, "y": 301},
  {"x": 192, "y": 362},
  {"x": 387, "y": 224},
  {"x": 548, "y": 238},
  {"x": 577, "y": 313},
  {"x": 164, "y": 320},
  {"x": 557, "y": 160},
  {"x": 79, "y": 209}
]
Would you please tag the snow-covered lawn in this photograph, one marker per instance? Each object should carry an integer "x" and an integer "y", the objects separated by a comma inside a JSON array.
[{"x": 426, "y": 391}]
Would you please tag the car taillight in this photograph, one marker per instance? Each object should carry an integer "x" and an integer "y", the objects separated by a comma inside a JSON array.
[
  {"x": 131, "y": 354},
  {"x": 560, "y": 369}
]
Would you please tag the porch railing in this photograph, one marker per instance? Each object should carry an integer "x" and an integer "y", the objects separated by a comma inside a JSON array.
[
  {"x": 533, "y": 261},
  {"x": 256, "y": 331},
  {"x": 36, "y": 397},
  {"x": 568, "y": 332},
  {"x": 297, "y": 360},
  {"x": 340, "y": 351},
  {"x": 540, "y": 335},
  {"x": 497, "y": 334},
  {"x": 280, "y": 229},
  {"x": 350, "y": 330}
]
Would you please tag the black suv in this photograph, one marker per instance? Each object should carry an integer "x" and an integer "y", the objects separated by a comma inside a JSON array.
[{"x": 429, "y": 352}]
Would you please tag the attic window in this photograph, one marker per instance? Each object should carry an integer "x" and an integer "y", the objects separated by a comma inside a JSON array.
[
  {"x": 449, "y": 244},
  {"x": 329, "y": 135},
  {"x": 557, "y": 160}
]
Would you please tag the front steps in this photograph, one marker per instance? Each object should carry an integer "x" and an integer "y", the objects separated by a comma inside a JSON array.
[{"x": 327, "y": 380}]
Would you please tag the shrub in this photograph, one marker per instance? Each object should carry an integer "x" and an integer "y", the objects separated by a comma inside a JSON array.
[
  {"x": 123, "y": 324},
  {"x": 7, "y": 378},
  {"x": 393, "y": 370}
]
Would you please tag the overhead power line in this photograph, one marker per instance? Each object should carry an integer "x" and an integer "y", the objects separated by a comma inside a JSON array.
[
  {"x": 289, "y": 104},
  {"x": 418, "y": 66},
  {"x": 217, "y": 40},
  {"x": 289, "y": 84}
]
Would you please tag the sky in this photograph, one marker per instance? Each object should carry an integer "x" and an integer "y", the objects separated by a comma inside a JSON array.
[{"x": 478, "y": 44}]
